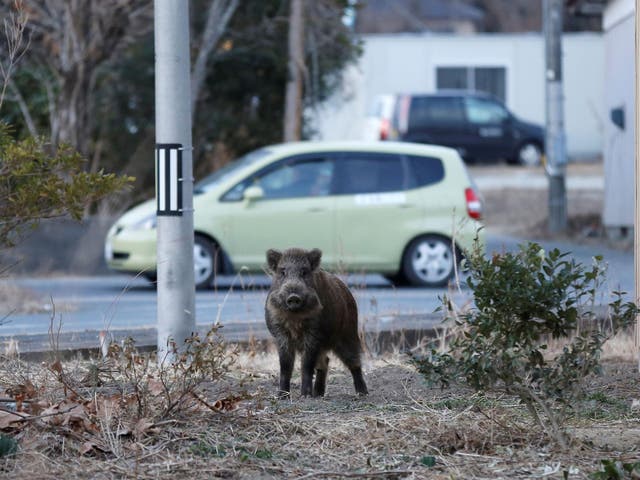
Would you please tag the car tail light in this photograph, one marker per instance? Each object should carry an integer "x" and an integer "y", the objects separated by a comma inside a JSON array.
[
  {"x": 385, "y": 128},
  {"x": 403, "y": 115},
  {"x": 474, "y": 205}
]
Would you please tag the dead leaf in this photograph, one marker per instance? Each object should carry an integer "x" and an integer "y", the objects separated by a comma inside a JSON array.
[
  {"x": 156, "y": 387},
  {"x": 10, "y": 420},
  {"x": 51, "y": 415},
  {"x": 22, "y": 392},
  {"x": 76, "y": 418},
  {"x": 141, "y": 427},
  {"x": 56, "y": 367},
  {"x": 90, "y": 447},
  {"x": 227, "y": 404}
]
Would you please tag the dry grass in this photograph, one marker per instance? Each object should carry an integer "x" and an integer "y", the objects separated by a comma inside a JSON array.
[{"x": 235, "y": 428}]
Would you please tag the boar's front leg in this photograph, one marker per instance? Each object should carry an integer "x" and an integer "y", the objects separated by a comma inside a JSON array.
[
  {"x": 309, "y": 360},
  {"x": 287, "y": 357}
]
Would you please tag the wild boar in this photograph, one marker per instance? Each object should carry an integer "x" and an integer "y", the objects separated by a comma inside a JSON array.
[{"x": 312, "y": 312}]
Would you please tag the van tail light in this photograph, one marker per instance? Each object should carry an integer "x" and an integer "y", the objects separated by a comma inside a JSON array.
[
  {"x": 474, "y": 205},
  {"x": 385, "y": 128}
]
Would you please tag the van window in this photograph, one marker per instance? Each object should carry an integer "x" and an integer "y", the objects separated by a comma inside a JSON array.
[
  {"x": 425, "y": 170},
  {"x": 483, "y": 111},
  {"x": 427, "y": 111},
  {"x": 369, "y": 173}
]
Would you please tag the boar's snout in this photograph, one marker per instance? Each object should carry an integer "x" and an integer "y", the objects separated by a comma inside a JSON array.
[
  {"x": 296, "y": 297},
  {"x": 294, "y": 301}
]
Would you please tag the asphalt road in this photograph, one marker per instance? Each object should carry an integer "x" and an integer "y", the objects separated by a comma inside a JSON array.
[{"x": 123, "y": 303}]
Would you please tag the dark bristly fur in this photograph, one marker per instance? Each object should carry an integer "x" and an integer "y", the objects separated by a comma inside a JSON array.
[{"x": 312, "y": 312}]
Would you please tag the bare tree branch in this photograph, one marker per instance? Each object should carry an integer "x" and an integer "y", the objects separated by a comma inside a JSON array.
[
  {"x": 24, "y": 108},
  {"x": 14, "y": 29},
  {"x": 218, "y": 17}
]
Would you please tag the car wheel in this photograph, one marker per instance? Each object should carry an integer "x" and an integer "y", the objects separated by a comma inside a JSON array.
[
  {"x": 429, "y": 261},
  {"x": 204, "y": 262},
  {"x": 152, "y": 277},
  {"x": 529, "y": 154},
  {"x": 397, "y": 280}
]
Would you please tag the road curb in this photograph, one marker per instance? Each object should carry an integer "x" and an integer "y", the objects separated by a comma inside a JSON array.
[{"x": 382, "y": 334}]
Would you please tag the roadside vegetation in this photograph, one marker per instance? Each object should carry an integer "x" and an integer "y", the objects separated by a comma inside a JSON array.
[{"x": 559, "y": 401}]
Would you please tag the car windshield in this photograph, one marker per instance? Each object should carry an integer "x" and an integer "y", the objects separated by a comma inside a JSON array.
[{"x": 213, "y": 179}]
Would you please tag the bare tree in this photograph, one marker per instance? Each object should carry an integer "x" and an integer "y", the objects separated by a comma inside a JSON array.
[
  {"x": 72, "y": 44},
  {"x": 297, "y": 69},
  {"x": 218, "y": 16}
]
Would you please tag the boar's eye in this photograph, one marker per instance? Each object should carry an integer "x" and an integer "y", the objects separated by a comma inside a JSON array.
[
  {"x": 305, "y": 271},
  {"x": 282, "y": 272}
]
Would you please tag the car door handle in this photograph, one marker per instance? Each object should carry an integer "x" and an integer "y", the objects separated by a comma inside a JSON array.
[{"x": 316, "y": 209}]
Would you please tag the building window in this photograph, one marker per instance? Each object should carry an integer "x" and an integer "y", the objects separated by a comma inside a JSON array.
[{"x": 491, "y": 80}]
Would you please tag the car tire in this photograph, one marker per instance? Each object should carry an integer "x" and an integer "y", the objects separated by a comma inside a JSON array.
[
  {"x": 205, "y": 262},
  {"x": 529, "y": 154},
  {"x": 151, "y": 277},
  {"x": 397, "y": 280},
  {"x": 429, "y": 261}
]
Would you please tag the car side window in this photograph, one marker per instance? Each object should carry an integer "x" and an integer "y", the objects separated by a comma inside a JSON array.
[
  {"x": 481, "y": 111},
  {"x": 368, "y": 173},
  {"x": 289, "y": 179},
  {"x": 425, "y": 170}
]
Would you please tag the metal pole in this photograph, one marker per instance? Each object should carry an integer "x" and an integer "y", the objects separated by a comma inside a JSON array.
[
  {"x": 174, "y": 176},
  {"x": 555, "y": 137},
  {"x": 636, "y": 222}
]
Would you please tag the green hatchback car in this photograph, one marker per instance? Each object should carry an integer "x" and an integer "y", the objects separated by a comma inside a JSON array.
[{"x": 407, "y": 211}]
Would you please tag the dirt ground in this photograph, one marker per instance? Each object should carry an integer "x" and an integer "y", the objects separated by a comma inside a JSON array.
[
  {"x": 403, "y": 429},
  {"x": 523, "y": 212}
]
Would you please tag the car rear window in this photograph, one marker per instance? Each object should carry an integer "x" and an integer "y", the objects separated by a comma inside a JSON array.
[
  {"x": 425, "y": 170},
  {"x": 369, "y": 173},
  {"x": 426, "y": 111}
]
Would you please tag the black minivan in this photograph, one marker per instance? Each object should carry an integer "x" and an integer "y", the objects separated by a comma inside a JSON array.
[{"x": 476, "y": 124}]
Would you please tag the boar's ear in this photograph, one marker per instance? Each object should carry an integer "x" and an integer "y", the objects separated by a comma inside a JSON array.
[
  {"x": 314, "y": 258},
  {"x": 273, "y": 257}
]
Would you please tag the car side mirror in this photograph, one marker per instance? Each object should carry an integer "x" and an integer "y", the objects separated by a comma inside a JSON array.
[{"x": 253, "y": 193}]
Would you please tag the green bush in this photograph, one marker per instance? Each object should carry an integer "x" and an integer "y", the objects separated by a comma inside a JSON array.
[
  {"x": 38, "y": 181},
  {"x": 521, "y": 300}
]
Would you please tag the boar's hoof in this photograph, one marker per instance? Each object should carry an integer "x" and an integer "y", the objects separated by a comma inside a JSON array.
[{"x": 283, "y": 395}]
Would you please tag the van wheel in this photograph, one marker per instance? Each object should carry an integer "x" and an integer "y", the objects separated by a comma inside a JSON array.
[
  {"x": 429, "y": 261},
  {"x": 529, "y": 154},
  {"x": 205, "y": 262}
]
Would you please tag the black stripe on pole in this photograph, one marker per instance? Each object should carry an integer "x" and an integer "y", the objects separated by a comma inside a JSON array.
[{"x": 169, "y": 179}]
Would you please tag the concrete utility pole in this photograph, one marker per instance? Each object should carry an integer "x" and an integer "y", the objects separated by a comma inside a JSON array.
[
  {"x": 174, "y": 176},
  {"x": 636, "y": 222},
  {"x": 555, "y": 137},
  {"x": 293, "y": 96}
]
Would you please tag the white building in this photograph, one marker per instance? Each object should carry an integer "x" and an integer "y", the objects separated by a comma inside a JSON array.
[
  {"x": 509, "y": 65},
  {"x": 619, "y": 125}
]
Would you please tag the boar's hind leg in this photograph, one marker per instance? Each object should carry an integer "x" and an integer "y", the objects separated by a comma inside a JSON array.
[
  {"x": 358, "y": 380},
  {"x": 287, "y": 359},
  {"x": 350, "y": 356},
  {"x": 320, "y": 384}
]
